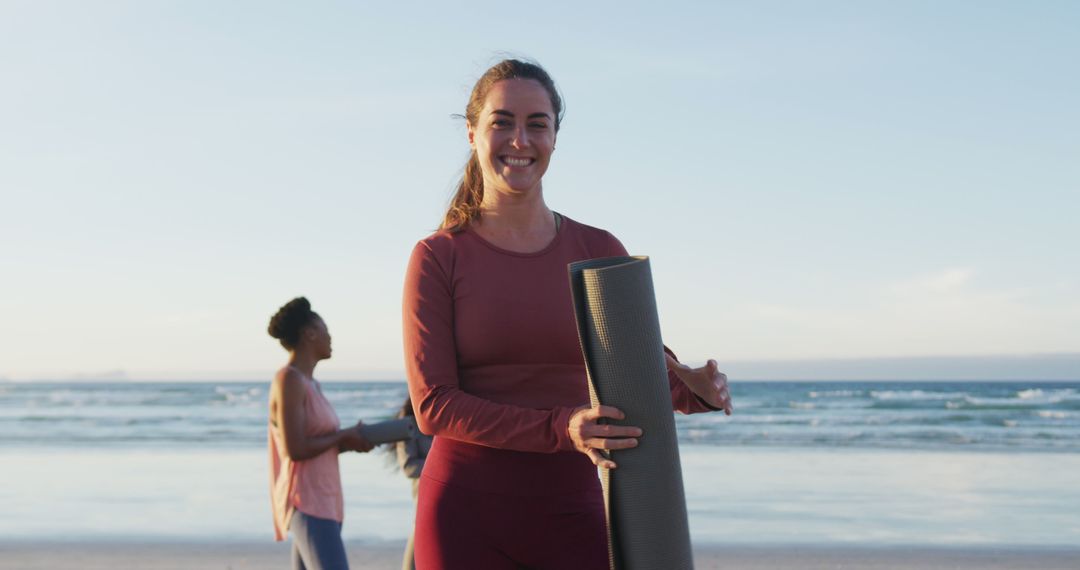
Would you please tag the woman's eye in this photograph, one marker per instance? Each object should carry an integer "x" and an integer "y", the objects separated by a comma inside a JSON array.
[
  {"x": 538, "y": 125},
  {"x": 500, "y": 123}
]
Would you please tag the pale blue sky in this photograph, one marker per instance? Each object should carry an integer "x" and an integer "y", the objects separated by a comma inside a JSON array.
[{"x": 811, "y": 179}]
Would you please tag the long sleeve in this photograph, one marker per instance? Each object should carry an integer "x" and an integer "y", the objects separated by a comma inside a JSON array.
[
  {"x": 442, "y": 407},
  {"x": 682, "y": 398},
  {"x": 409, "y": 457}
]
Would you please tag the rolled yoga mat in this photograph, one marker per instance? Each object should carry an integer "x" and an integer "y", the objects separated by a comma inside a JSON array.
[
  {"x": 389, "y": 431},
  {"x": 619, "y": 331}
]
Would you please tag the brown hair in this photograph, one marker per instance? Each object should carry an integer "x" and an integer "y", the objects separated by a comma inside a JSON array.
[{"x": 465, "y": 206}]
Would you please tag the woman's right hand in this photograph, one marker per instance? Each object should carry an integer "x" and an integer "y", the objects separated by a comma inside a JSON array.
[
  {"x": 590, "y": 437},
  {"x": 353, "y": 440}
]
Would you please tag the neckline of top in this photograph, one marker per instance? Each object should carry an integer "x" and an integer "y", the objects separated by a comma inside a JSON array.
[
  {"x": 310, "y": 379},
  {"x": 560, "y": 229}
]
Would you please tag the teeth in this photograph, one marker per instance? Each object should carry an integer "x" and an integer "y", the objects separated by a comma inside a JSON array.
[{"x": 514, "y": 161}]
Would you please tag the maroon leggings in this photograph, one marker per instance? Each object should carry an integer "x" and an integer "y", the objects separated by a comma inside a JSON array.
[{"x": 480, "y": 508}]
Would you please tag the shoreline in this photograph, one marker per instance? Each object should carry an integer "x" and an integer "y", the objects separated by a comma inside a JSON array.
[
  {"x": 738, "y": 497},
  {"x": 245, "y": 555}
]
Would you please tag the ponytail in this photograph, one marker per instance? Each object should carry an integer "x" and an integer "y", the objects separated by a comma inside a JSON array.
[{"x": 465, "y": 207}]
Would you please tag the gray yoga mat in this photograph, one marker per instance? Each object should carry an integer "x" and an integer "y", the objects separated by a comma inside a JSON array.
[
  {"x": 389, "y": 431},
  {"x": 620, "y": 337}
]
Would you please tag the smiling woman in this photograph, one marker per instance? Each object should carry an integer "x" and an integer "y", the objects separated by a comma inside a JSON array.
[
  {"x": 514, "y": 136},
  {"x": 492, "y": 356},
  {"x": 513, "y": 116}
]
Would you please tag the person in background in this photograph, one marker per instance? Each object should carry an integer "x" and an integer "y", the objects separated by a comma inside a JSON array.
[
  {"x": 492, "y": 357},
  {"x": 304, "y": 440},
  {"x": 411, "y": 454}
]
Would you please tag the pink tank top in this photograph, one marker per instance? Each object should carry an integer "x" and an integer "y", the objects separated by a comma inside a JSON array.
[{"x": 312, "y": 486}]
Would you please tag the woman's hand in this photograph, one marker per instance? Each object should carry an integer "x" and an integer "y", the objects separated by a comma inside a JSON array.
[
  {"x": 590, "y": 437},
  {"x": 707, "y": 382},
  {"x": 353, "y": 440}
]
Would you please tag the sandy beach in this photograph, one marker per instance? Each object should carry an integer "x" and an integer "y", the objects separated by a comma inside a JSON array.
[
  {"x": 154, "y": 495},
  {"x": 252, "y": 556}
]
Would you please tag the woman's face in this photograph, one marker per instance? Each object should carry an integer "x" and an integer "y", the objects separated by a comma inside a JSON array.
[
  {"x": 514, "y": 136},
  {"x": 317, "y": 337}
]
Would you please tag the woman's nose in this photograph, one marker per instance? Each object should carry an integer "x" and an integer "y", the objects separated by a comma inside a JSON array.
[{"x": 520, "y": 138}]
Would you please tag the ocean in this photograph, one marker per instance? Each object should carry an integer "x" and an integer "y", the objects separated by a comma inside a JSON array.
[
  {"x": 798, "y": 462},
  {"x": 958, "y": 416}
]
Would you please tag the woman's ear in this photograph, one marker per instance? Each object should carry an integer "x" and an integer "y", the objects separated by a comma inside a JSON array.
[{"x": 472, "y": 134}]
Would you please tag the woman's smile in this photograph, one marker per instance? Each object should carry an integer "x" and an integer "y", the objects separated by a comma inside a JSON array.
[{"x": 517, "y": 161}]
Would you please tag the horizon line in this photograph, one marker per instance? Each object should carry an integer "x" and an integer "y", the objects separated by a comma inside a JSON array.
[{"x": 1058, "y": 366}]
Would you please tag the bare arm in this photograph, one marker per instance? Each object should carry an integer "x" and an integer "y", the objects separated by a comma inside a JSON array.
[{"x": 291, "y": 396}]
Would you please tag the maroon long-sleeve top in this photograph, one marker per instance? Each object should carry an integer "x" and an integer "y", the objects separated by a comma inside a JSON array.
[{"x": 491, "y": 345}]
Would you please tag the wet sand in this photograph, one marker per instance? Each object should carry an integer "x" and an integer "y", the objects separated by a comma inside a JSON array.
[{"x": 387, "y": 555}]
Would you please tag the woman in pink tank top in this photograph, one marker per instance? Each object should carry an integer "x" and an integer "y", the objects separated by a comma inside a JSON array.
[{"x": 304, "y": 439}]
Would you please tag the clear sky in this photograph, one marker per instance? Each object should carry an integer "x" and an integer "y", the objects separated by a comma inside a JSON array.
[{"x": 813, "y": 180}]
